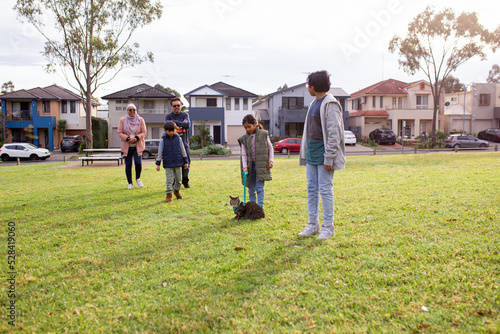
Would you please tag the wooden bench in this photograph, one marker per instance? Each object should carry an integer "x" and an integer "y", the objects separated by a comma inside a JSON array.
[
  {"x": 91, "y": 151},
  {"x": 102, "y": 157}
]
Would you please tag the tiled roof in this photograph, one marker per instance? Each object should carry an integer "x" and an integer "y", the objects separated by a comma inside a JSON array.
[
  {"x": 231, "y": 90},
  {"x": 62, "y": 93},
  {"x": 18, "y": 94},
  {"x": 369, "y": 113},
  {"x": 53, "y": 92},
  {"x": 386, "y": 87},
  {"x": 140, "y": 91}
]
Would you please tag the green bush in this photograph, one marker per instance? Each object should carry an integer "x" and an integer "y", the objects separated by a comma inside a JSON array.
[
  {"x": 368, "y": 142},
  {"x": 195, "y": 142},
  {"x": 276, "y": 139},
  {"x": 83, "y": 146},
  {"x": 215, "y": 150},
  {"x": 100, "y": 132}
]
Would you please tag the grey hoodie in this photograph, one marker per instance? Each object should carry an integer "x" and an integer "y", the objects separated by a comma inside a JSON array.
[{"x": 333, "y": 134}]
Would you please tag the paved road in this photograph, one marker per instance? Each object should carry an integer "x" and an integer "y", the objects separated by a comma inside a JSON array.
[{"x": 58, "y": 156}]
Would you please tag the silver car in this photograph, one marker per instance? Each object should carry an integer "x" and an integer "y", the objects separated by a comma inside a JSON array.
[
  {"x": 465, "y": 141},
  {"x": 151, "y": 148}
]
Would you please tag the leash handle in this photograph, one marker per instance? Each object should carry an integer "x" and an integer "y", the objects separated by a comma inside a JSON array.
[{"x": 245, "y": 187}]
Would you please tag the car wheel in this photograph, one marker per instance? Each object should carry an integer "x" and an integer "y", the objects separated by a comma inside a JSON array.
[
  {"x": 5, "y": 157},
  {"x": 43, "y": 158},
  {"x": 284, "y": 150},
  {"x": 456, "y": 146},
  {"x": 62, "y": 151},
  {"x": 34, "y": 157},
  {"x": 483, "y": 145},
  {"x": 393, "y": 143},
  {"x": 146, "y": 155}
]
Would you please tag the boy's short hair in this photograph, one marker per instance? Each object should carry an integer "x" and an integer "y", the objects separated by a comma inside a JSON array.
[
  {"x": 169, "y": 126},
  {"x": 320, "y": 80}
]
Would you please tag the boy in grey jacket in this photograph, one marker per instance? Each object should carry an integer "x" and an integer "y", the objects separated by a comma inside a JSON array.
[{"x": 322, "y": 152}]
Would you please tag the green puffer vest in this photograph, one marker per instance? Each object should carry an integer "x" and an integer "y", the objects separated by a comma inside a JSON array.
[{"x": 261, "y": 155}]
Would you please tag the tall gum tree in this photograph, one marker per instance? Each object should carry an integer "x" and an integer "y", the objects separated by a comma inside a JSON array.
[
  {"x": 91, "y": 41},
  {"x": 438, "y": 43}
]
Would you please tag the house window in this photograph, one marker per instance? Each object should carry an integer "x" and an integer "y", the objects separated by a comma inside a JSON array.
[
  {"x": 118, "y": 108},
  {"x": 245, "y": 103},
  {"x": 422, "y": 102},
  {"x": 353, "y": 105},
  {"x": 237, "y": 103},
  {"x": 228, "y": 103},
  {"x": 46, "y": 106},
  {"x": 212, "y": 102},
  {"x": 374, "y": 102},
  {"x": 292, "y": 102},
  {"x": 64, "y": 107},
  {"x": 118, "y": 101},
  {"x": 72, "y": 107},
  {"x": 484, "y": 99},
  {"x": 381, "y": 102},
  {"x": 454, "y": 99},
  {"x": 125, "y": 101},
  {"x": 149, "y": 105},
  {"x": 397, "y": 103}
]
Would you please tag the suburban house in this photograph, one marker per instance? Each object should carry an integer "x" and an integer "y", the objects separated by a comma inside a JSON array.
[
  {"x": 480, "y": 111},
  {"x": 392, "y": 104},
  {"x": 283, "y": 112},
  {"x": 42, "y": 108},
  {"x": 222, "y": 108},
  {"x": 152, "y": 105}
]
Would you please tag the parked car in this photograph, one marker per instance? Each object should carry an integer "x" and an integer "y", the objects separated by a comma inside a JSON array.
[
  {"x": 71, "y": 143},
  {"x": 349, "y": 138},
  {"x": 490, "y": 134},
  {"x": 288, "y": 144},
  {"x": 465, "y": 141},
  {"x": 382, "y": 136},
  {"x": 151, "y": 148},
  {"x": 23, "y": 151}
]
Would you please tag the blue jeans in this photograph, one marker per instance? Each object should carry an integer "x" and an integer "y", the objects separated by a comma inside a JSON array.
[
  {"x": 132, "y": 154},
  {"x": 319, "y": 181},
  {"x": 256, "y": 187}
]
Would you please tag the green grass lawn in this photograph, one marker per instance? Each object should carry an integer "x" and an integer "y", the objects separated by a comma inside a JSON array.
[{"x": 416, "y": 249}]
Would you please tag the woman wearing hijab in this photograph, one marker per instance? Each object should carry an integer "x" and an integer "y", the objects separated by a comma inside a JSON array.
[{"x": 132, "y": 131}]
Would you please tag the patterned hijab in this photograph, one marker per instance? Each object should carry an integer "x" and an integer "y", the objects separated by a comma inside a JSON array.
[{"x": 131, "y": 123}]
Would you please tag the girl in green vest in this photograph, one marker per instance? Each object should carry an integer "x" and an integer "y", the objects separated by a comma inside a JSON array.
[{"x": 257, "y": 157}]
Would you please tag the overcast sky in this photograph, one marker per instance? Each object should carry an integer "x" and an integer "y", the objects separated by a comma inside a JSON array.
[{"x": 256, "y": 45}]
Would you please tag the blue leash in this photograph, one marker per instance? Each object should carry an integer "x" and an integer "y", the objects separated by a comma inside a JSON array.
[{"x": 245, "y": 187}]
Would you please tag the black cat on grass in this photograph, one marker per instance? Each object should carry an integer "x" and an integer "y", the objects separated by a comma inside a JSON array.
[{"x": 248, "y": 210}]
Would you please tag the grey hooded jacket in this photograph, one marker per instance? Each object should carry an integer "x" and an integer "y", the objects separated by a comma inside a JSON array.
[{"x": 333, "y": 134}]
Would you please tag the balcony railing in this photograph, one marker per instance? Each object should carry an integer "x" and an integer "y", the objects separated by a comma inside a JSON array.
[
  {"x": 19, "y": 115},
  {"x": 152, "y": 111}
]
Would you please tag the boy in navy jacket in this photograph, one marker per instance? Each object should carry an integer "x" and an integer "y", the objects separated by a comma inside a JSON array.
[{"x": 173, "y": 154}]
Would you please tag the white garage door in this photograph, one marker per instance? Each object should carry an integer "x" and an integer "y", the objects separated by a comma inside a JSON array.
[{"x": 233, "y": 133}]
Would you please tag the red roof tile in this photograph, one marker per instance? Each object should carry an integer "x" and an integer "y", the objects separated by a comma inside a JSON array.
[
  {"x": 386, "y": 87},
  {"x": 369, "y": 113}
]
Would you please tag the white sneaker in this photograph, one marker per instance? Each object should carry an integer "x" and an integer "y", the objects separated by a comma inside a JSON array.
[
  {"x": 139, "y": 183},
  {"x": 310, "y": 229},
  {"x": 130, "y": 186},
  {"x": 326, "y": 233}
]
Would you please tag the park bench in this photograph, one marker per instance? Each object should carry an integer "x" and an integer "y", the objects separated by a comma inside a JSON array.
[{"x": 101, "y": 157}]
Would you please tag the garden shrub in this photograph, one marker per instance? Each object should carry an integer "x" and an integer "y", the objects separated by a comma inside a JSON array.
[{"x": 215, "y": 150}]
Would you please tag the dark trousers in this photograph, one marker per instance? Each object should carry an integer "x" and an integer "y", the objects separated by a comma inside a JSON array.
[
  {"x": 185, "y": 172},
  {"x": 132, "y": 154}
]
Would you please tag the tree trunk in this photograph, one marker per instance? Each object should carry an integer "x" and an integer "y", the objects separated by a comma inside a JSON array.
[{"x": 88, "y": 118}]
